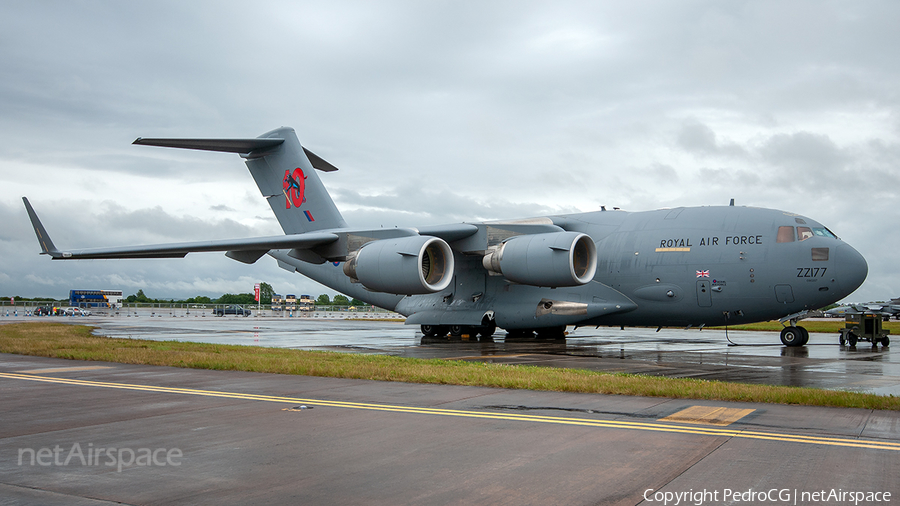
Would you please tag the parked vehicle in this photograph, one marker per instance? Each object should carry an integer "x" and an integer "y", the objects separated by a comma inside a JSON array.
[
  {"x": 77, "y": 311},
  {"x": 232, "y": 309},
  {"x": 43, "y": 311}
]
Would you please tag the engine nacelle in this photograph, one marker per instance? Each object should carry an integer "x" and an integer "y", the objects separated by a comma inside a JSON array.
[
  {"x": 406, "y": 265},
  {"x": 553, "y": 259}
]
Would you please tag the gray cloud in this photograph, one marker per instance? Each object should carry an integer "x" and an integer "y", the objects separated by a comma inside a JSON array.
[
  {"x": 814, "y": 154},
  {"x": 699, "y": 138},
  {"x": 437, "y": 113}
]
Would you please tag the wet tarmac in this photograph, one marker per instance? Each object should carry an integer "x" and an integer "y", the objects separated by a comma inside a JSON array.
[
  {"x": 758, "y": 357},
  {"x": 100, "y": 433}
]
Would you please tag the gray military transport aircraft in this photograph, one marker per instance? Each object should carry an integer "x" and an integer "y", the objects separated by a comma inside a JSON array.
[{"x": 687, "y": 266}]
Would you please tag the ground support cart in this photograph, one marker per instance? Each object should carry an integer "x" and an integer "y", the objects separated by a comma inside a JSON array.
[{"x": 864, "y": 327}]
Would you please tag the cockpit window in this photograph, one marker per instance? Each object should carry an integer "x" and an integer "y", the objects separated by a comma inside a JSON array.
[
  {"x": 824, "y": 232},
  {"x": 785, "y": 234}
]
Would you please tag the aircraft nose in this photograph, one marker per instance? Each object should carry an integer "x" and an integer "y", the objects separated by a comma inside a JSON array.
[{"x": 852, "y": 268}]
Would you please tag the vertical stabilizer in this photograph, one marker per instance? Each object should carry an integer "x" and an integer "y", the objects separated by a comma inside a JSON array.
[
  {"x": 285, "y": 173},
  {"x": 292, "y": 186}
]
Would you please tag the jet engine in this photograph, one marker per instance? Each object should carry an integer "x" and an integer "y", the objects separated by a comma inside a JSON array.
[
  {"x": 406, "y": 265},
  {"x": 553, "y": 259}
]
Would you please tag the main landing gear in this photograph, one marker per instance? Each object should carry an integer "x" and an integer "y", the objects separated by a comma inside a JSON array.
[
  {"x": 457, "y": 331},
  {"x": 794, "y": 336}
]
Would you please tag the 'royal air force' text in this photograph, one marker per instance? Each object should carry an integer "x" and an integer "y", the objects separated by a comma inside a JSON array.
[{"x": 730, "y": 240}]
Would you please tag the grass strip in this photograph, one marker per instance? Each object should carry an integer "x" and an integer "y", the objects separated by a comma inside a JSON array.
[
  {"x": 810, "y": 325},
  {"x": 77, "y": 343}
]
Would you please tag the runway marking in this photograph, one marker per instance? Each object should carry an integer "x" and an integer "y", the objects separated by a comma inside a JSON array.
[
  {"x": 65, "y": 369},
  {"x": 611, "y": 424},
  {"x": 708, "y": 415}
]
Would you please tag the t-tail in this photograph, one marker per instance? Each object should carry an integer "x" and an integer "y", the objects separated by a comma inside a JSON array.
[{"x": 285, "y": 173}]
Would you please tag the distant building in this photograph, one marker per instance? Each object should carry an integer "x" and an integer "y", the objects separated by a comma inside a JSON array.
[{"x": 95, "y": 298}]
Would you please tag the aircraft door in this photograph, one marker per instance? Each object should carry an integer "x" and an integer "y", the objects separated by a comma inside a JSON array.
[
  {"x": 704, "y": 296},
  {"x": 784, "y": 293}
]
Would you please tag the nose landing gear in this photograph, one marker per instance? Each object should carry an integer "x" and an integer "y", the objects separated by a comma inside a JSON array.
[{"x": 794, "y": 336}]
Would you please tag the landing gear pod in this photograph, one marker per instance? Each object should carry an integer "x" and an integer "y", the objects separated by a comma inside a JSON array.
[
  {"x": 406, "y": 265},
  {"x": 554, "y": 259}
]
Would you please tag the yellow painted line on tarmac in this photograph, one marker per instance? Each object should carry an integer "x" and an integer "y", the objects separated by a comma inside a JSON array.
[
  {"x": 708, "y": 415},
  {"x": 611, "y": 424},
  {"x": 65, "y": 369}
]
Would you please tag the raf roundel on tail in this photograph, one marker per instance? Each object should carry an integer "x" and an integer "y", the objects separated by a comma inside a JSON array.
[{"x": 530, "y": 275}]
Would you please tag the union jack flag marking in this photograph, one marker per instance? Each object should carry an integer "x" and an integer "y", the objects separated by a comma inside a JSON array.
[{"x": 702, "y": 274}]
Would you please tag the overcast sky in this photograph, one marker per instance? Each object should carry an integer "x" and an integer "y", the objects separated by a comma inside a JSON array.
[{"x": 436, "y": 112}]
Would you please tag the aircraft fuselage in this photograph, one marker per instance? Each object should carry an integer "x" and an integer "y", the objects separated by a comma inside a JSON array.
[{"x": 671, "y": 267}]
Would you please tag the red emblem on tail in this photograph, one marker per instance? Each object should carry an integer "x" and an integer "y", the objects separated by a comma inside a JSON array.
[{"x": 294, "y": 186}]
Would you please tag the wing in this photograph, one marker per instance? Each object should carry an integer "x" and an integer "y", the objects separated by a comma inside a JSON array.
[
  {"x": 245, "y": 250},
  {"x": 313, "y": 247}
]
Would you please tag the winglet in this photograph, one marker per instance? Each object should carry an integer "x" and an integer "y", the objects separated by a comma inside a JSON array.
[{"x": 47, "y": 247}]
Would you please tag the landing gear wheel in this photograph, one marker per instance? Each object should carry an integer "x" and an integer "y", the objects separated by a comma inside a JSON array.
[
  {"x": 430, "y": 330},
  {"x": 457, "y": 330},
  {"x": 791, "y": 336},
  {"x": 805, "y": 333}
]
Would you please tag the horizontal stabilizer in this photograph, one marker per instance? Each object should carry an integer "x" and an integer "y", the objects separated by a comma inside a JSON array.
[
  {"x": 240, "y": 146},
  {"x": 319, "y": 163}
]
